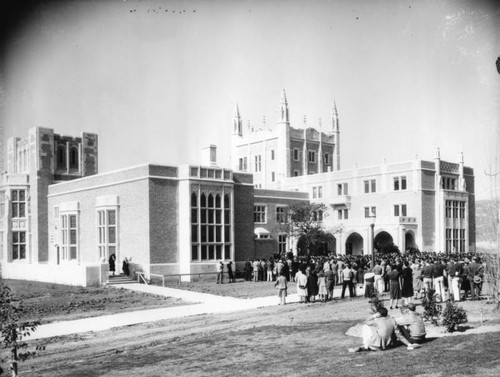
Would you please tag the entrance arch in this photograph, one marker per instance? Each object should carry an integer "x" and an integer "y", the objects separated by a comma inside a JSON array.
[
  {"x": 383, "y": 240},
  {"x": 410, "y": 240},
  {"x": 354, "y": 244}
]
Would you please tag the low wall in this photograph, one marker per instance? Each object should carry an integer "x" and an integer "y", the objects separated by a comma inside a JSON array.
[{"x": 78, "y": 275}]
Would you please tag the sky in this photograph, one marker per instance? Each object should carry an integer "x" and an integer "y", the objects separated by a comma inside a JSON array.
[{"x": 159, "y": 80}]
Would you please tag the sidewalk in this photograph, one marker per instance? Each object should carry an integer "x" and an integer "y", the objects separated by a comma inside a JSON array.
[{"x": 204, "y": 304}]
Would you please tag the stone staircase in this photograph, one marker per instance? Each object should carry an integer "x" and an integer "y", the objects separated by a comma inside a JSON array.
[{"x": 120, "y": 280}]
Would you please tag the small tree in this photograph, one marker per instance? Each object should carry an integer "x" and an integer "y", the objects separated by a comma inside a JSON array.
[
  {"x": 13, "y": 330},
  {"x": 306, "y": 222}
]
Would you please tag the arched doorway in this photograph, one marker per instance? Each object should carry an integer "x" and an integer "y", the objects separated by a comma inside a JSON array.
[
  {"x": 410, "y": 240},
  {"x": 384, "y": 242},
  {"x": 354, "y": 244}
]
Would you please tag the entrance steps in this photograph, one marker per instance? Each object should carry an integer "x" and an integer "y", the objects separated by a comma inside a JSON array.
[{"x": 120, "y": 280}]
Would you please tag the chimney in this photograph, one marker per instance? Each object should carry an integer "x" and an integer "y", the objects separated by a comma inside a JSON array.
[{"x": 209, "y": 155}]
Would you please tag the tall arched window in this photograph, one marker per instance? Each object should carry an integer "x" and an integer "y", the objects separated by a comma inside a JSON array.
[
  {"x": 61, "y": 157},
  {"x": 73, "y": 158}
]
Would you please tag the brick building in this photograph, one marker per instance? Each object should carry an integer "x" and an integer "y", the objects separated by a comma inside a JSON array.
[{"x": 60, "y": 220}]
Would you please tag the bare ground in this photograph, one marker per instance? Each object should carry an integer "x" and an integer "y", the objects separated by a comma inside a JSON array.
[{"x": 54, "y": 302}]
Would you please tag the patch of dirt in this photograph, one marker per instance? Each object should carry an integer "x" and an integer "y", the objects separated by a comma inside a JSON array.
[{"x": 53, "y": 302}]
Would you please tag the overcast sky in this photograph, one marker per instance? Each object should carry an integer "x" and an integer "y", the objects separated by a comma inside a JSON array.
[{"x": 158, "y": 80}]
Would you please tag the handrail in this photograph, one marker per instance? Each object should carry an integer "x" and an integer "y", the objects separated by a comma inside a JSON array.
[{"x": 142, "y": 275}]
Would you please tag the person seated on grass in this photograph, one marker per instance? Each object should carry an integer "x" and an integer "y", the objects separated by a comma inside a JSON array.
[
  {"x": 377, "y": 332},
  {"x": 410, "y": 328}
]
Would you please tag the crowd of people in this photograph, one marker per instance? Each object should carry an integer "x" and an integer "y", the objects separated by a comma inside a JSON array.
[{"x": 405, "y": 276}]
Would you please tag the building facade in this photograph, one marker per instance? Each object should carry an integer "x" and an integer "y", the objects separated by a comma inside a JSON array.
[
  {"x": 272, "y": 155},
  {"x": 421, "y": 204},
  {"x": 34, "y": 163},
  {"x": 61, "y": 220}
]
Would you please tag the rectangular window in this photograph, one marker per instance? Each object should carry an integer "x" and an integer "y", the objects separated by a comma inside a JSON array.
[
  {"x": 106, "y": 232},
  {"x": 273, "y": 176},
  {"x": 317, "y": 216},
  {"x": 317, "y": 192},
  {"x": 69, "y": 236},
  {"x": 399, "y": 183},
  {"x": 400, "y": 210},
  {"x": 281, "y": 215},
  {"x": 343, "y": 214},
  {"x": 370, "y": 212},
  {"x": 18, "y": 199},
  {"x": 258, "y": 163},
  {"x": 370, "y": 186},
  {"x": 462, "y": 210},
  {"x": 327, "y": 159},
  {"x": 282, "y": 243},
  {"x": 272, "y": 154},
  {"x": 342, "y": 189},
  {"x": 18, "y": 245},
  {"x": 243, "y": 164},
  {"x": 259, "y": 214},
  {"x": 296, "y": 155},
  {"x": 311, "y": 156}
]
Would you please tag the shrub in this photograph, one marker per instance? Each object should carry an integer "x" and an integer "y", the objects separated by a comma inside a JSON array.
[
  {"x": 431, "y": 308},
  {"x": 453, "y": 315}
]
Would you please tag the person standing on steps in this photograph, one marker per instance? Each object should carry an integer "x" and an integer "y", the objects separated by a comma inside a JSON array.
[{"x": 112, "y": 264}]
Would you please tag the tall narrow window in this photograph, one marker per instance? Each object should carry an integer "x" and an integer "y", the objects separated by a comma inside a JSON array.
[
  {"x": 281, "y": 243},
  {"x": 69, "y": 231},
  {"x": 107, "y": 232},
  {"x": 73, "y": 158},
  {"x": 18, "y": 245},
  {"x": 61, "y": 157},
  {"x": 259, "y": 214},
  {"x": 18, "y": 199}
]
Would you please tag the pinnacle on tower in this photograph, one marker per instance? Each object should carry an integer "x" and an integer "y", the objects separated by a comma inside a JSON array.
[
  {"x": 284, "y": 108},
  {"x": 237, "y": 124},
  {"x": 335, "y": 118}
]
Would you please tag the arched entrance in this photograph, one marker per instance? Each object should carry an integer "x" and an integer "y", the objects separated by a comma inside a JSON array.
[
  {"x": 410, "y": 240},
  {"x": 354, "y": 244},
  {"x": 385, "y": 243}
]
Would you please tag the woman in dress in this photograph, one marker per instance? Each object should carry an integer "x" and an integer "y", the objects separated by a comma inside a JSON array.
[
  {"x": 312, "y": 285},
  {"x": 322, "y": 291},
  {"x": 111, "y": 260},
  {"x": 394, "y": 290},
  {"x": 369, "y": 278},
  {"x": 407, "y": 276},
  {"x": 301, "y": 280},
  {"x": 417, "y": 280}
]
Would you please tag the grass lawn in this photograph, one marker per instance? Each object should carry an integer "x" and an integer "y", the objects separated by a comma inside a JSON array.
[
  {"x": 239, "y": 289},
  {"x": 54, "y": 302},
  {"x": 294, "y": 340},
  {"x": 291, "y": 340}
]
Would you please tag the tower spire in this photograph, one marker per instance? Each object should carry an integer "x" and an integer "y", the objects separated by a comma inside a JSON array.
[
  {"x": 284, "y": 118},
  {"x": 335, "y": 118},
  {"x": 336, "y": 132},
  {"x": 237, "y": 123}
]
